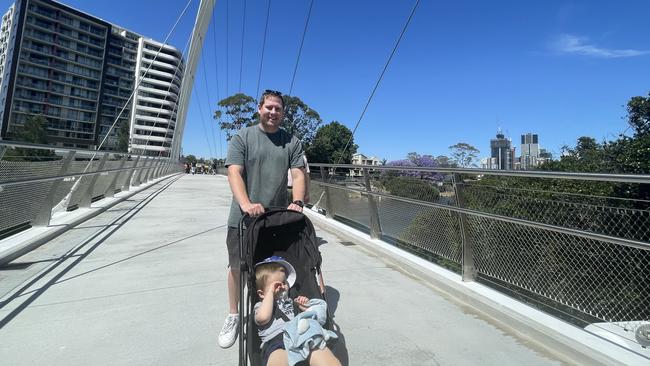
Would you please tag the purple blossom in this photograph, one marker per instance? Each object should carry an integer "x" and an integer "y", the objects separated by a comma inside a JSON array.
[{"x": 419, "y": 161}]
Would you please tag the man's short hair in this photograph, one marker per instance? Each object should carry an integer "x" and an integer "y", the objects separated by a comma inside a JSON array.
[{"x": 271, "y": 93}]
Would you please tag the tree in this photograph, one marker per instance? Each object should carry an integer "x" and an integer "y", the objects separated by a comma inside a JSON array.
[
  {"x": 33, "y": 131},
  {"x": 444, "y": 162},
  {"x": 191, "y": 159},
  {"x": 464, "y": 154},
  {"x": 300, "y": 120},
  {"x": 329, "y": 144},
  {"x": 241, "y": 110},
  {"x": 638, "y": 115},
  {"x": 123, "y": 137},
  {"x": 413, "y": 159}
]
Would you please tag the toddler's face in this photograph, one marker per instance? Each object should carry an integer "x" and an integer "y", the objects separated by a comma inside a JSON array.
[{"x": 279, "y": 276}]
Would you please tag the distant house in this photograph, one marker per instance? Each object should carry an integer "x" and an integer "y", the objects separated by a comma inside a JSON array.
[{"x": 361, "y": 159}]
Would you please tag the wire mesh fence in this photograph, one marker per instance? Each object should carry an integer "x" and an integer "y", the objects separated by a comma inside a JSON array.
[
  {"x": 576, "y": 247},
  {"x": 35, "y": 180}
]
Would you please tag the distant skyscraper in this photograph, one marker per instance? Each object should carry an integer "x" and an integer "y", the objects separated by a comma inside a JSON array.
[
  {"x": 529, "y": 151},
  {"x": 501, "y": 153},
  {"x": 78, "y": 71}
]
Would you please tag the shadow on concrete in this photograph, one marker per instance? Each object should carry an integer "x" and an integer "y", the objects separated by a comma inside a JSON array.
[
  {"x": 339, "y": 347},
  {"x": 320, "y": 241},
  {"x": 75, "y": 253}
]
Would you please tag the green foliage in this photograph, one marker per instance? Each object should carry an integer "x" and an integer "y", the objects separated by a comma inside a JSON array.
[
  {"x": 329, "y": 145},
  {"x": 464, "y": 155},
  {"x": 444, "y": 162},
  {"x": 123, "y": 134},
  {"x": 190, "y": 159},
  {"x": 300, "y": 120},
  {"x": 411, "y": 187},
  {"x": 240, "y": 111},
  {"x": 34, "y": 131},
  {"x": 420, "y": 234}
]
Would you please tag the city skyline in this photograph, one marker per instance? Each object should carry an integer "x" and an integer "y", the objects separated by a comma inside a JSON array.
[{"x": 562, "y": 69}]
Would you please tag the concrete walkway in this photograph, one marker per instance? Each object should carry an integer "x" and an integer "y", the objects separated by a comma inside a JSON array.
[{"x": 144, "y": 284}]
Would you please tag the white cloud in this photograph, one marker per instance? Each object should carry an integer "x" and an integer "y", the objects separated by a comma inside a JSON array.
[{"x": 580, "y": 45}]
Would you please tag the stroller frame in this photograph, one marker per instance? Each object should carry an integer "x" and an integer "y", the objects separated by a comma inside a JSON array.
[{"x": 291, "y": 235}]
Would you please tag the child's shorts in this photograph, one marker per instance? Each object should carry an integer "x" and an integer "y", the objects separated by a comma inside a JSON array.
[{"x": 273, "y": 344}]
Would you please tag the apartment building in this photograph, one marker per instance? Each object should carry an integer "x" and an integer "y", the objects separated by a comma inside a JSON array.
[{"x": 79, "y": 72}]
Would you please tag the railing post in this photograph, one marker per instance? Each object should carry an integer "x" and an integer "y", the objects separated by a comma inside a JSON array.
[
  {"x": 469, "y": 270},
  {"x": 137, "y": 179},
  {"x": 110, "y": 190},
  {"x": 147, "y": 175},
  {"x": 329, "y": 207},
  {"x": 375, "y": 224},
  {"x": 152, "y": 167},
  {"x": 88, "y": 195},
  {"x": 159, "y": 167},
  {"x": 45, "y": 214},
  {"x": 127, "y": 183}
]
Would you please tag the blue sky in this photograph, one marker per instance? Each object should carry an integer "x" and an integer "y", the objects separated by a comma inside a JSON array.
[{"x": 562, "y": 69}]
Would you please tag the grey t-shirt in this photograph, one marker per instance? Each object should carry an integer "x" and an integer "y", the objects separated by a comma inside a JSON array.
[
  {"x": 265, "y": 158},
  {"x": 276, "y": 325}
]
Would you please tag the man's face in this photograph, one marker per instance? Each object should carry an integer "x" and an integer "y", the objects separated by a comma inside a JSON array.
[{"x": 271, "y": 113}]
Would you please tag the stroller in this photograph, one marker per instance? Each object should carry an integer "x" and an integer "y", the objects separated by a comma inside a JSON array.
[{"x": 284, "y": 233}]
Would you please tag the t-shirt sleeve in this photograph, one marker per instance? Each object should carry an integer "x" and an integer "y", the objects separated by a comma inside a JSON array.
[
  {"x": 296, "y": 154},
  {"x": 236, "y": 151},
  {"x": 255, "y": 308}
]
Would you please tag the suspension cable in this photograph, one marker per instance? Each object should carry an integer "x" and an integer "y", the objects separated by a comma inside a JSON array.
[
  {"x": 241, "y": 56},
  {"x": 216, "y": 69},
  {"x": 302, "y": 42},
  {"x": 146, "y": 72},
  {"x": 266, "y": 28},
  {"x": 174, "y": 110},
  {"x": 381, "y": 76},
  {"x": 67, "y": 198},
  {"x": 374, "y": 89},
  {"x": 227, "y": 30},
  {"x": 205, "y": 132},
  {"x": 207, "y": 91}
]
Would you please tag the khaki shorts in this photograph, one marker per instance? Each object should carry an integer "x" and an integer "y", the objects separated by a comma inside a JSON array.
[{"x": 232, "y": 241}]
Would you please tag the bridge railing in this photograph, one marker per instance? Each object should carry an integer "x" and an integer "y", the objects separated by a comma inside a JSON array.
[
  {"x": 574, "y": 245},
  {"x": 37, "y": 181}
]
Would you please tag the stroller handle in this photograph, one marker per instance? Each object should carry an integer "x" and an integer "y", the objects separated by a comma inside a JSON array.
[{"x": 247, "y": 219}]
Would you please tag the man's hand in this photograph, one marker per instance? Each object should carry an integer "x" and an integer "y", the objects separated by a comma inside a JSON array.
[
  {"x": 253, "y": 209},
  {"x": 294, "y": 207}
]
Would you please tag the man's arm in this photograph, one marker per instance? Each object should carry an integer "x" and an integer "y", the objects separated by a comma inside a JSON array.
[
  {"x": 298, "y": 190},
  {"x": 238, "y": 188}
]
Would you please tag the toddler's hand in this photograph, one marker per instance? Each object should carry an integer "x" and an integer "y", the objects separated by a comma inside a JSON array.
[{"x": 302, "y": 302}]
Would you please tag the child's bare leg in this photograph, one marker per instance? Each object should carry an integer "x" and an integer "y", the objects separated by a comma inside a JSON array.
[
  {"x": 323, "y": 357},
  {"x": 278, "y": 358}
]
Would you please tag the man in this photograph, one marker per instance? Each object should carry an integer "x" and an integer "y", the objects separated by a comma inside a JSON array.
[{"x": 258, "y": 159}]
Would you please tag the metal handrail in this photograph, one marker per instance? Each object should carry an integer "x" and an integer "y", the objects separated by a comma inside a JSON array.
[
  {"x": 53, "y": 178},
  {"x": 25, "y": 145},
  {"x": 581, "y": 233},
  {"x": 560, "y": 253},
  {"x": 607, "y": 177}
]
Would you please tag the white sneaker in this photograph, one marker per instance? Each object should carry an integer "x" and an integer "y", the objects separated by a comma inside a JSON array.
[{"x": 228, "y": 333}]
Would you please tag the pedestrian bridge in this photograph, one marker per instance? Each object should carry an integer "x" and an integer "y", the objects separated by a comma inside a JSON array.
[{"x": 139, "y": 279}]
